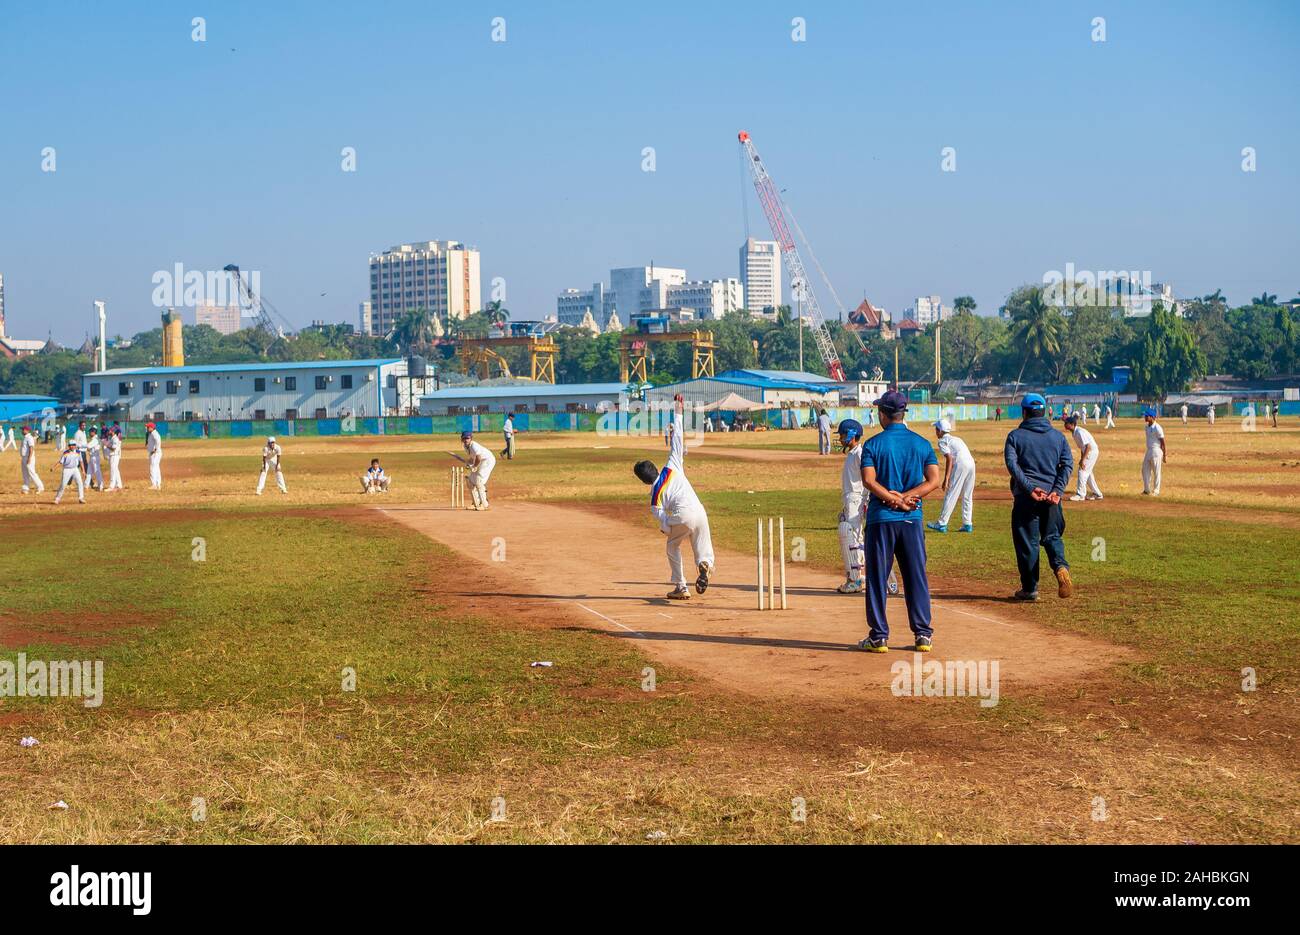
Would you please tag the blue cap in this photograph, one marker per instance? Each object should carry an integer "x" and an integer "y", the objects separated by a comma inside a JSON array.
[
  {"x": 1149, "y": 411},
  {"x": 1033, "y": 401},
  {"x": 466, "y": 435},
  {"x": 849, "y": 429},
  {"x": 893, "y": 401}
]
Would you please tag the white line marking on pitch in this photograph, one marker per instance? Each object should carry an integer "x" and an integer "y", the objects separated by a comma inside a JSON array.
[
  {"x": 1002, "y": 623},
  {"x": 610, "y": 619}
]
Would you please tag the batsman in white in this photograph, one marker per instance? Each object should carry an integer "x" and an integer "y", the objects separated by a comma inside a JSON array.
[
  {"x": 27, "y": 458},
  {"x": 153, "y": 447},
  {"x": 958, "y": 479},
  {"x": 374, "y": 480},
  {"x": 271, "y": 461},
  {"x": 70, "y": 462},
  {"x": 481, "y": 462},
  {"x": 679, "y": 511},
  {"x": 1087, "y": 488}
]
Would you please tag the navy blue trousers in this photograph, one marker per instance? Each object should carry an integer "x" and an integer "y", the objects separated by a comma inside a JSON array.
[
  {"x": 1033, "y": 524},
  {"x": 906, "y": 542}
]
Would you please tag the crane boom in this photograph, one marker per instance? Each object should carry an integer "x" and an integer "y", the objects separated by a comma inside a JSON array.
[
  {"x": 776, "y": 219},
  {"x": 255, "y": 303}
]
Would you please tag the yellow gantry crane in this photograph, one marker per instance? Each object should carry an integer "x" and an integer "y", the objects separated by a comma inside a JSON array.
[
  {"x": 479, "y": 354},
  {"x": 634, "y": 350}
]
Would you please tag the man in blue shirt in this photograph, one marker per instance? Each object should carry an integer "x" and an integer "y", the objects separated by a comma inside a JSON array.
[
  {"x": 898, "y": 469},
  {"x": 1039, "y": 461}
]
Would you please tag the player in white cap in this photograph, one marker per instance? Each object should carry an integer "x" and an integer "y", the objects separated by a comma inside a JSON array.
[
  {"x": 271, "y": 461},
  {"x": 958, "y": 479}
]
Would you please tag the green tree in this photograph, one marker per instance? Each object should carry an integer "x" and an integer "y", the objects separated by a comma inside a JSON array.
[
  {"x": 1036, "y": 328},
  {"x": 963, "y": 303},
  {"x": 1168, "y": 358},
  {"x": 1265, "y": 300}
]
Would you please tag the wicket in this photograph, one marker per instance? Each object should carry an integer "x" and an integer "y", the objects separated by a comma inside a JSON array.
[
  {"x": 457, "y": 487},
  {"x": 775, "y": 543}
]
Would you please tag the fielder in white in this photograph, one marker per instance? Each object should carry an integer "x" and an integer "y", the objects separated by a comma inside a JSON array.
[
  {"x": 112, "y": 445},
  {"x": 481, "y": 462},
  {"x": 6, "y": 442},
  {"x": 271, "y": 461},
  {"x": 1087, "y": 488},
  {"x": 958, "y": 479},
  {"x": 27, "y": 459},
  {"x": 1209, "y": 415},
  {"x": 1110, "y": 418},
  {"x": 823, "y": 433},
  {"x": 1153, "y": 462},
  {"x": 1182, "y": 411},
  {"x": 374, "y": 480},
  {"x": 153, "y": 447},
  {"x": 70, "y": 461},
  {"x": 94, "y": 461},
  {"x": 679, "y": 511}
]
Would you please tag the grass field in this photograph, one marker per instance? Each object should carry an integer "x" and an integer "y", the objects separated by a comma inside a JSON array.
[{"x": 228, "y": 679}]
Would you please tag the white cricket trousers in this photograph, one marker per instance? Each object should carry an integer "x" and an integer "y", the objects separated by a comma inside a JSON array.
[
  {"x": 31, "y": 478},
  {"x": 279, "y": 479},
  {"x": 1151, "y": 466},
  {"x": 478, "y": 479},
  {"x": 115, "y": 472},
  {"x": 367, "y": 485},
  {"x": 155, "y": 470},
  {"x": 851, "y": 528},
  {"x": 961, "y": 486},
  {"x": 95, "y": 472},
  {"x": 693, "y": 526},
  {"x": 1087, "y": 481},
  {"x": 71, "y": 476}
]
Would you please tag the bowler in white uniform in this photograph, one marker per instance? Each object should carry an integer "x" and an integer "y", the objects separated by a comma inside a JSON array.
[{"x": 679, "y": 511}]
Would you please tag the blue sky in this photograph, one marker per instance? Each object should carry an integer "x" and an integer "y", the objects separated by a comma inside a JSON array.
[{"x": 1117, "y": 155}]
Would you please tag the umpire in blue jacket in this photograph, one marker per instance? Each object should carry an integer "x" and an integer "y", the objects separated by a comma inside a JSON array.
[
  {"x": 1038, "y": 458},
  {"x": 898, "y": 469}
]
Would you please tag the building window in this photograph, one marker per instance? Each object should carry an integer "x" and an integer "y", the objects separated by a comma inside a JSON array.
[
  {"x": 150, "y": 387},
  {"x": 320, "y": 413},
  {"x": 347, "y": 381},
  {"x": 259, "y": 384},
  {"x": 173, "y": 387},
  {"x": 322, "y": 384},
  {"x": 541, "y": 407},
  {"x": 94, "y": 389},
  {"x": 194, "y": 386},
  {"x": 291, "y": 383},
  {"x": 259, "y": 413},
  {"x": 124, "y": 389},
  {"x": 291, "y": 413}
]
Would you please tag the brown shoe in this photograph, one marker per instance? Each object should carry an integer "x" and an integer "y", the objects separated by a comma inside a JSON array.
[
  {"x": 679, "y": 594},
  {"x": 1066, "y": 584}
]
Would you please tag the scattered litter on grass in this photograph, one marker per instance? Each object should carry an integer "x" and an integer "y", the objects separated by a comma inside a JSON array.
[
  {"x": 28, "y": 742},
  {"x": 656, "y": 835},
  {"x": 540, "y": 665},
  {"x": 59, "y": 805}
]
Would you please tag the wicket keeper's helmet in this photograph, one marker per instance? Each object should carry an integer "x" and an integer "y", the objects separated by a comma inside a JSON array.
[
  {"x": 849, "y": 429},
  {"x": 466, "y": 436}
]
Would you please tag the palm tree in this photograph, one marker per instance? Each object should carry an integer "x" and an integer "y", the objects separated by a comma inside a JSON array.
[
  {"x": 414, "y": 330},
  {"x": 1266, "y": 300},
  {"x": 1215, "y": 298},
  {"x": 1036, "y": 328},
  {"x": 496, "y": 315},
  {"x": 963, "y": 303}
]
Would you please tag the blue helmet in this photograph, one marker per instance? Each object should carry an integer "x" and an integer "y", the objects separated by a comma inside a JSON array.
[
  {"x": 849, "y": 429},
  {"x": 466, "y": 436}
]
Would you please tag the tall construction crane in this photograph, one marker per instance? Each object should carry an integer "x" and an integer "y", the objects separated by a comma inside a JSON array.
[
  {"x": 776, "y": 218},
  {"x": 257, "y": 305}
]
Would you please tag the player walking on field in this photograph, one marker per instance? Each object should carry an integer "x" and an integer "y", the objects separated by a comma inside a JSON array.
[
  {"x": 70, "y": 462},
  {"x": 958, "y": 479},
  {"x": 508, "y": 432},
  {"x": 823, "y": 433},
  {"x": 153, "y": 447},
  {"x": 113, "y": 451},
  {"x": 27, "y": 459},
  {"x": 1038, "y": 459},
  {"x": 1154, "y": 460},
  {"x": 481, "y": 462},
  {"x": 898, "y": 470},
  {"x": 1087, "y": 488},
  {"x": 679, "y": 511},
  {"x": 271, "y": 462}
]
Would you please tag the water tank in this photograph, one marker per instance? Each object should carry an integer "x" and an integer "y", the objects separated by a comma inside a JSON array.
[{"x": 417, "y": 367}]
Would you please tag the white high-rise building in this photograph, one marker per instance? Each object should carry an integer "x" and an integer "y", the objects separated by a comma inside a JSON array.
[
  {"x": 631, "y": 289},
  {"x": 710, "y": 298},
  {"x": 573, "y": 305},
  {"x": 760, "y": 274},
  {"x": 439, "y": 275},
  {"x": 365, "y": 315},
  {"x": 928, "y": 309}
]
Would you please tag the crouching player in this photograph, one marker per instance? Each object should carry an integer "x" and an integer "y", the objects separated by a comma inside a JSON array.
[
  {"x": 374, "y": 480},
  {"x": 679, "y": 511},
  {"x": 481, "y": 462},
  {"x": 852, "y": 519}
]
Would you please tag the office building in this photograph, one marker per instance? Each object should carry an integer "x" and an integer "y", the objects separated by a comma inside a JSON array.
[
  {"x": 441, "y": 276},
  {"x": 710, "y": 298},
  {"x": 760, "y": 274},
  {"x": 224, "y": 318}
]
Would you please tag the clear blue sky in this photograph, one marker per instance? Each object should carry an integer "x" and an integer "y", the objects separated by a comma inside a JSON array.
[{"x": 1115, "y": 155}]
